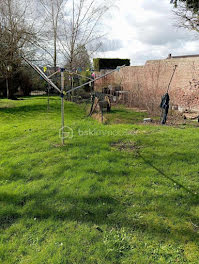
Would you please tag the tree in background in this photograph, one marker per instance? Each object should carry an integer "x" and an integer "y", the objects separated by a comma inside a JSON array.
[
  {"x": 70, "y": 29},
  {"x": 81, "y": 60},
  {"x": 16, "y": 34},
  {"x": 192, "y": 5},
  {"x": 51, "y": 11},
  {"x": 187, "y": 13},
  {"x": 81, "y": 28}
]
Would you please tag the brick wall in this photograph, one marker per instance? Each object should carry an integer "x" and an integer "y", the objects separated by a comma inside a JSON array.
[{"x": 146, "y": 84}]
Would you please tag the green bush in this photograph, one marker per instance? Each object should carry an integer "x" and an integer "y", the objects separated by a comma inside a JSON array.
[{"x": 101, "y": 64}]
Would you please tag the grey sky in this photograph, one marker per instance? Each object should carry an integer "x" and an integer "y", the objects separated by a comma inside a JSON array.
[{"x": 143, "y": 30}]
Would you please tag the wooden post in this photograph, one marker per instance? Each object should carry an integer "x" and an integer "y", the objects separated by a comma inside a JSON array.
[{"x": 62, "y": 106}]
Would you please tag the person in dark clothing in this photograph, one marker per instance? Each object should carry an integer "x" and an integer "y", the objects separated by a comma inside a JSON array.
[{"x": 165, "y": 107}]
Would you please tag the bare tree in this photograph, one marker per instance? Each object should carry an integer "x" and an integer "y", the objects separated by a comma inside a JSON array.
[
  {"x": 70, "y": 28},
  {"x": 81, "y": 60},
  {"x": 16, "y": 33},
  {"x": 81, "y": 27},
  {"x": 186, "y": 18},
  {"x": 191, "y": 5},
  {"x": 51, "y": 13}
]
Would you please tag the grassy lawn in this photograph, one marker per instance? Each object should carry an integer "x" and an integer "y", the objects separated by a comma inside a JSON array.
[{"x": 123, "y": 192}]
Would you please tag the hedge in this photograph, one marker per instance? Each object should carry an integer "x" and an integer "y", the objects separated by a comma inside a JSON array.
[{"x": 102, "y": 64}]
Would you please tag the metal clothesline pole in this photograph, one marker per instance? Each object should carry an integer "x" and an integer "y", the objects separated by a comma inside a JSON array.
[
  {"x": 62, "y": 105},
  {"x": 39, "y": 71},
  {"x": 50, "y": 76},
  {"x": 62, "y": 93}
]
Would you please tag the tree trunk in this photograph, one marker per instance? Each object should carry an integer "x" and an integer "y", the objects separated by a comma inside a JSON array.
[
  {"x": 7, "y": 88},
  {"x": 55, "y": 53},
  {"x": 11, "y": 89}
]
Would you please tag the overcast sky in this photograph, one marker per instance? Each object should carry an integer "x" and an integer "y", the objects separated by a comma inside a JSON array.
[{"x": 143, "y": 30}]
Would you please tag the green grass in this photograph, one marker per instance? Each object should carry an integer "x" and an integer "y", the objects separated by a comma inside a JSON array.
[
  {"x": 116, "y": 193},
  {"x": 120, "y": 115}
]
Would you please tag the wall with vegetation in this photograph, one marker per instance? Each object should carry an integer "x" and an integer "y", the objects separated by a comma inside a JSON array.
[{"x": 146, "y": 84}]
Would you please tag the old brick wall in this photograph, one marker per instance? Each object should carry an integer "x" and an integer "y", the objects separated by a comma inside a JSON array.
[{"x": 146, "y": 84}]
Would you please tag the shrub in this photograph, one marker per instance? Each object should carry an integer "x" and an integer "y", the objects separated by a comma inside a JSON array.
[{"x": 102, "y": 64}]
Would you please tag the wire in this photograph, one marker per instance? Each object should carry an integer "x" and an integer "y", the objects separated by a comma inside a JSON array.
[{"x": 78, "y": 87}]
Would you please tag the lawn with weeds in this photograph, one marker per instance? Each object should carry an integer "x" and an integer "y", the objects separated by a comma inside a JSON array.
[
  {"x": 114, "y": 193},
  {"x": 119, "y": 114}
]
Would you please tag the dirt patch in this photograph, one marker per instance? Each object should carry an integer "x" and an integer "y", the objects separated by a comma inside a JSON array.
[{"x": 129, "y": 146}]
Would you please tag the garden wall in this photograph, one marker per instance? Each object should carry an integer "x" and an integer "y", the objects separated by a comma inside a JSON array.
[{"x": 146, "y": 84}]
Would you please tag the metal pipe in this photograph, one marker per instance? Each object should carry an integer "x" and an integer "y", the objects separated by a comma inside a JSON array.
[
  {"x": 39, "y": 71},
  {"x": 53, "y": 74},
  {"x": 172, "y": 78},
  {"x": 62, "y": 105},
  {"x": 78, "y": 87}
]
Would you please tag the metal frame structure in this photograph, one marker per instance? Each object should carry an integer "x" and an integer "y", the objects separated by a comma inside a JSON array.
[{"x": 61, "y": 91}]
